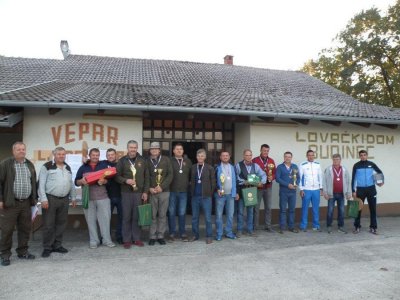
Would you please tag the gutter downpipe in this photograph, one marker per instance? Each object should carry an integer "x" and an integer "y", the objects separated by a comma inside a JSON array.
[{"x": 239, "y": 112}]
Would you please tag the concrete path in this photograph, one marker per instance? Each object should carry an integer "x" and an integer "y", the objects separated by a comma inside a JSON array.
[{"x": 270, "y": 266}]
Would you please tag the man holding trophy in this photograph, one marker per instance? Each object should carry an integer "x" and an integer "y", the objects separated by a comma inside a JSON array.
[
  {"x": 161, "y": 174},
  {"x": 288, "y": 179},
  {"x": 133, "y": 176},
  {"x": 226, "y": 184},
  {"x": 267, "y": 164},
  {"x": 365, "y": 175},
  {"x": 245, "y": 168}
]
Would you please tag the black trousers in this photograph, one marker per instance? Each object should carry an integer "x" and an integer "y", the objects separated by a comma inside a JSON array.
[
  {"x": 368, "y": 193},
  {"x": 20, "y": 216},
  {"x": 54, "y": 222}
]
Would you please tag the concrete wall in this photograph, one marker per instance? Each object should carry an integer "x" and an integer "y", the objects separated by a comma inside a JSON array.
[{"x": 347, "y": 139}]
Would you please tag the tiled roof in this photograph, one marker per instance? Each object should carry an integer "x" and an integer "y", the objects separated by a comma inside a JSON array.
[{"x": 120, "y": 81}]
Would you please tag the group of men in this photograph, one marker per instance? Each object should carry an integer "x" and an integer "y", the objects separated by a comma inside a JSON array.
[{"x": 166, "y": 183}]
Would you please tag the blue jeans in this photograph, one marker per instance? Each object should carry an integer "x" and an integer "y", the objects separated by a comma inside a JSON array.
[
  {"x": 228, "y": 202},
  {"x": 177, "y": 200},
  {"x": 312, "y": 196},
  {"x": 205, "y": 204},
  {"x": 239, "y": 209},
  {"x": 116, "y": 202},
  {"x": 339, "y": 197},
  {"x": 287, "y": 200}
]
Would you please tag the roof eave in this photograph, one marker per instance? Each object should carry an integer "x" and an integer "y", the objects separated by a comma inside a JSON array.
[{"x": 107, "y": 106}]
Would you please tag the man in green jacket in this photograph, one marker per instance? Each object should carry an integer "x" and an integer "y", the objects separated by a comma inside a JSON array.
[
  {"x": 18, "y": 193},
  {"x": 161, "y": 174},
  {"x": 134, "y": 189}
]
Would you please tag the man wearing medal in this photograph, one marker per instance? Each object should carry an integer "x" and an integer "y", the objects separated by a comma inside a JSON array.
[
  {"x": 226, "y": 195},
  {"x": 336, "y": 185},
  {"x": 161, "y": 174},
  {"x": 178, "y": 193},
  {"x": 243, "y": 169},
  {"x": 288, "y": 179},
  {"x": 267, "y": 164},
  {"x": 202, "y": 188},
  {"x": 310, "y": 190},
  {"x": 134, "y": 189}
]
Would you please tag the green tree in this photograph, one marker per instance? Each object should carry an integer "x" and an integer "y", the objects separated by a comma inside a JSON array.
[{"x": 365, "y": 63}]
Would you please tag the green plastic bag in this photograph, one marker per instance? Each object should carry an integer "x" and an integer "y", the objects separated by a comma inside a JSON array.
[
  {"x": 249, "y": 196},
  {"x": 85, "y": 196},
  {"x": 352, "y": 208},
  {"x": 253, "y": 179},
  {"x": 145, "y": 215}
]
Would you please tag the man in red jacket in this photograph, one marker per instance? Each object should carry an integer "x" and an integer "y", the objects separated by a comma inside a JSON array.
[{"x": 267, "y": 164}]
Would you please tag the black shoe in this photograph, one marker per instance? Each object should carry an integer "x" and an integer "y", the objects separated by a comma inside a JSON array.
[
  {"x": 120, "y": 241},
  {"x": 161, "y": 241},
  {"x": 46, "y": 253},
  {"x": 5, "y": 262},
  {"x": 60, "y": 249},
  {"x": 152, "y": 242},
  {"x": 27, "y": 255}
]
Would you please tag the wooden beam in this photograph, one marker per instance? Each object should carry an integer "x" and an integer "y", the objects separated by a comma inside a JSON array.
[
  {"x": 267, "y": 119},
  {"x": 53, "y": 110},
  {"x": 391, "y": 126},
  {"x": 365, "y": 125},
  {"x": 302, "y": 121},
  {"x": 334, "y": 123}
]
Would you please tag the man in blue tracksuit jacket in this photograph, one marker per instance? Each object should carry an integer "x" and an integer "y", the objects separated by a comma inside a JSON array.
[
  {"x": 288, "y": 179},
  {"x": 363, "y": 186}
]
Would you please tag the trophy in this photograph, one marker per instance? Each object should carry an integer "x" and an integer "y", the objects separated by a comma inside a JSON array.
[
  {"x": 159, "y": 177},
  {"x": 270, "y": 168},
  {"x": 222, "y": 179},
  {"x": 133, "y": 170},
  {"x": 295, "y": 171}
]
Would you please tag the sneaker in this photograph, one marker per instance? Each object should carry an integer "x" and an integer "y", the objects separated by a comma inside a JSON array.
[
  {"x": 303, "y": 230},
  {"x": 239, "y": 234},
  {"x": 46, "y": 253},
  {"x": 110, "y": 245},
  {"x": 184, "y": 238},
  {"x": 208, "y": 241},
  {"x": 161, "y": 241},
  {"x": 280, "y": 231},
  {"x": 171, "y": 239},
  {"x": 356, "y": 230},
  {"x": 5, "y": 262},
  {"x": 152, "y": 242},
  {"x": 60, "y": 249},
  {"x": 138, "y": 243},
  {"x": 218, "y": 238},
  {"x": 269, "y": 229},
  {"x": 231, "y": 236},
  {"x": 27, "y": 255},
  {"x": 329, "y": 229},
  {"x": 373, "y": 231},
  {"x": 127, "y": 245},
  {"x": 93, "y": 246},
  {"x": 341, "y": 230},
  {"x": 316, "y": 229},
  {"x": 120, "y": 241},
  {"x": 293, "y": 230},
  {"x": 252, "y": 233}
]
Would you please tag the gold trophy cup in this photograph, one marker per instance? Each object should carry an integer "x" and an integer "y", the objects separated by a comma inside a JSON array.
[
  {"x": 159, "y": 177},
  {"x": 133, "y": 170},
  {"x": 270, "y": 168},
  {"x": 295, "y": 171},
  {"x": 222, "y": 179}
]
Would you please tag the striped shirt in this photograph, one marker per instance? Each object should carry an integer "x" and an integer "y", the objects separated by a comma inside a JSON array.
[{"x": 22, "y": 182}]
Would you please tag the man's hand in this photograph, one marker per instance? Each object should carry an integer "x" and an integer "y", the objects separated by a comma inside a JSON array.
[
  {"x": 130, "y": 182},
  {"x": 82, "y": 181},
  {"x": 269, "y": 178},
  {"x": 45, "y": 204},
  {"x": 73, "y": 202},
  {"x": 260, "y": 184},
  {"x": 102, "y": 181},
  {"x": 326, "y": 196},
  {"x": 144, "y": 197},
  {"x": 291, "y": 186},
  {"x": 219, "y": 193},
  {"x": 237, "y": 197},
  {"x": 152, "y": 191},
  {"x": 158, "y": 189},
  {"x": 1, "y": 205},
  {"x": 301, "y": 194},
  {"x": 354, "y": 195},
  {"x": 380, "y": 184}
]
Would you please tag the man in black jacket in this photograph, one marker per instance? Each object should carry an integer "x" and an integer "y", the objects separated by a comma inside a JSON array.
[{"x": 18, "y": 193}]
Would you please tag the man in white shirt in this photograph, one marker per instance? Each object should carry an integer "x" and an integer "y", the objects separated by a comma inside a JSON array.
[{"x": 310, "y": 190}]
